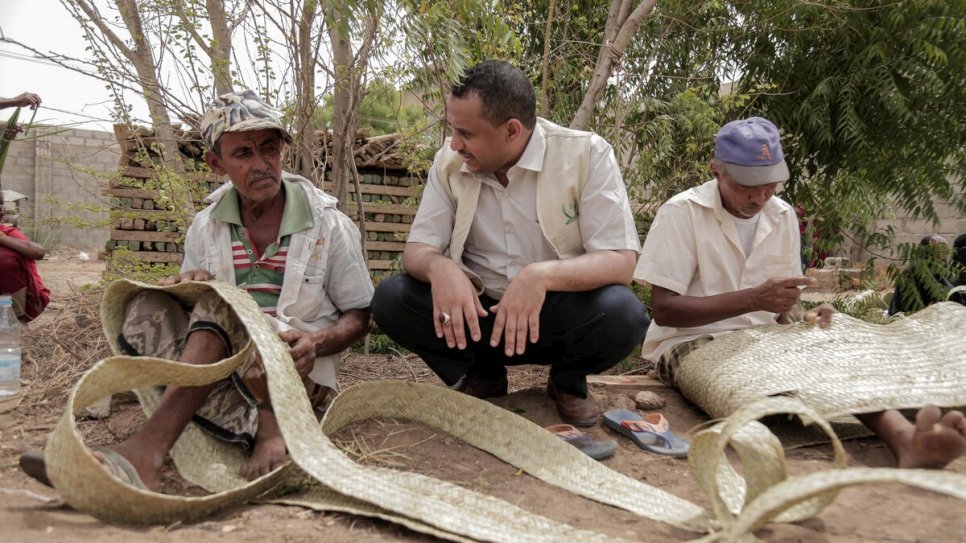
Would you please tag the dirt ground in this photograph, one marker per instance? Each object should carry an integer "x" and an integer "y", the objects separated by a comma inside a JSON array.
[{"x": 66, "y": 339}]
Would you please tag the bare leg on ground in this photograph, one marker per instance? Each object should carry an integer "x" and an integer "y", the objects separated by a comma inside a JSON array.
[
  {"x": 148, "y": 446},
  {"x": 933, "y": 441}
]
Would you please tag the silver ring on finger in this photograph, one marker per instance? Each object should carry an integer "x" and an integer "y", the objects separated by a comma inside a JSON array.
[{"x": 444, "y": 318}]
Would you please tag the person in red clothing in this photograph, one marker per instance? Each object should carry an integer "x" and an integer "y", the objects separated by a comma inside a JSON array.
[
  {"x": 812, "y": 253},
  {"x": 18, "y": 271}
]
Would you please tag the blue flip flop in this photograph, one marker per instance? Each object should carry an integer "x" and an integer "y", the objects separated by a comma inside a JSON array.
[
  {"x": 594, "y": 448},
  {"x": 651, "y": 433}
]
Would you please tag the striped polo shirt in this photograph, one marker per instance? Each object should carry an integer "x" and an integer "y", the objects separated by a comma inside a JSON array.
[{"x": 262, "y": 274}]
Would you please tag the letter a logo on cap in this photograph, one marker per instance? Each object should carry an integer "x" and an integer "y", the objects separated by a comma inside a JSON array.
[{"x": 765, "y": 153}]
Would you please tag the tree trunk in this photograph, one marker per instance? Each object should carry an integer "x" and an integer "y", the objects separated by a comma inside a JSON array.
[
  {"x": 344, "y": 121},
  {"x": 306, "y": 144},
  {"x": 618, "y": 32},
  {"x": 143, "y": 60},
  {"x": 349, "y": 70},
  {"x": 220, "y": 50},
  {"x": 544, "y": 82}
]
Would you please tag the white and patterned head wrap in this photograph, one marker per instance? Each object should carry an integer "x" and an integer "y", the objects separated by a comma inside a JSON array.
[{"x": 239, "y": 112}]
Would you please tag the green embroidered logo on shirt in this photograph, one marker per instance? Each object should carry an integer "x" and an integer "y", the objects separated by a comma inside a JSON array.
[{"x": 571, "y": 212}]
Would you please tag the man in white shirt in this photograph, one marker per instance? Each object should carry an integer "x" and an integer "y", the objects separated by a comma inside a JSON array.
[
  {"x": 724, "y": 256},
  {"x": 520, "y": 252},
  {"x": 282, "y": 240}
]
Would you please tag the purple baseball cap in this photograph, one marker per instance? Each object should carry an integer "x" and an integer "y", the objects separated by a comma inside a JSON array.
[{"x": 753, "y": 150}]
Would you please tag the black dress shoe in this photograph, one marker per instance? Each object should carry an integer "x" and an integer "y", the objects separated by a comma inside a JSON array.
[{"x": 481, "y": 387}]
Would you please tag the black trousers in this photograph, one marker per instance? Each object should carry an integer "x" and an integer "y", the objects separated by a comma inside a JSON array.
[{"x": 580, "y": 333}]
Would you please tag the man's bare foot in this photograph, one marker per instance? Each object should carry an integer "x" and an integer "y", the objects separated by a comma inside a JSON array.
[
  {"x": 269, "y": 451},
  {"x": 933, "y": 441}
]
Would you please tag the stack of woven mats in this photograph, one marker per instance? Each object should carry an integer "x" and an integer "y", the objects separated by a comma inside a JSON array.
[{"x": 448, "y": 511}]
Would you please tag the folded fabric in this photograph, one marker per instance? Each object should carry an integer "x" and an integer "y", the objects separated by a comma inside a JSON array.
[
  {"x": 651, "y": 433},
  {"x": 596, "y": 449}
]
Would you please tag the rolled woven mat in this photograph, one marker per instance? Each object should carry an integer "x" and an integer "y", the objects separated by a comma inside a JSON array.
[
  {"x": 422, "y": 503},
  {"x": 850, "y": 367}
]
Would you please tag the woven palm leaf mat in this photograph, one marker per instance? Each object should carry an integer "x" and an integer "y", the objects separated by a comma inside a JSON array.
[
  {"x": 421, "y": 503},
  {"x": 850, "y": 367}
]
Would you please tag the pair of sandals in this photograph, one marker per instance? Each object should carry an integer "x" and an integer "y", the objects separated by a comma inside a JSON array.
[{"x": 651, "y": 433}]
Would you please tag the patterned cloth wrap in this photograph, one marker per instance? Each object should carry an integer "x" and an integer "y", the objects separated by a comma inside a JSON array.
[
  {"x": 667, "y": 365},
  {"x": 239, "y": 112},
  {"x": 157, "y": 325}
]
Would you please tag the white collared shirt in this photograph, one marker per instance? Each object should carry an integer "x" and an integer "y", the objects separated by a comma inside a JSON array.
[
  {"x": 506, "y": 236},
  {"x": 325, "y": 274},
  {"x": 693, "y": 249}
]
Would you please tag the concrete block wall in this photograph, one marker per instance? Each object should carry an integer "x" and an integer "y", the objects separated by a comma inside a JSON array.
[
  {"x": 53, "y": 166},
  {"x": 910, "y": 230}
]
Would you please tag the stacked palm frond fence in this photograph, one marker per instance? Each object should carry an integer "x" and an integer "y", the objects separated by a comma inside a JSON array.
[{"x": 146, "y": 226}]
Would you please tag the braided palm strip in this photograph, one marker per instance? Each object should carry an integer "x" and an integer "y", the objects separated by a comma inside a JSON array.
[{"x": 418, "y": 502}]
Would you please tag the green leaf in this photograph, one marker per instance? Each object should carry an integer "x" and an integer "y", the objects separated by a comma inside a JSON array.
[{"x": 4, "y": 142}]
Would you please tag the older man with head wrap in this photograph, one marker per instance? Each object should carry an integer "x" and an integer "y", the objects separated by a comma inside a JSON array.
[{"x": 280, "y": 238}]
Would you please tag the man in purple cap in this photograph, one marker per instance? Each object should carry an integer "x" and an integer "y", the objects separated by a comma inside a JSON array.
[{"x": 724, "y": 256}]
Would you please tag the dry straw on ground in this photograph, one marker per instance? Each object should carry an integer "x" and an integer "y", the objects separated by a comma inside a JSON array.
[
  {"x": 411, "y": 404},
  {"x": 61, "y": 345}
]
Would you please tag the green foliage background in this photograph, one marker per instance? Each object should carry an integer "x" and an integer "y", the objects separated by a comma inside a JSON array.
[{"x": 869, "y": 94}]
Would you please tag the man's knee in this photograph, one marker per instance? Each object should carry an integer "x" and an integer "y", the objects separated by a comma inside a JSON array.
[
  {"x": 623, "y": 312},
  {"x": 211, "y": 308},
  {"x": 10, "y": 260},
  {"x": 211, "y": 313},
  {"x": 153, "y": 324},
  {"x": 388, "y": 292},
  {"x": 392, "y": 298},
  {"x": 156, "y": 323},
  {"x": 150, "y": 302},
  {"x": 13, "y": 273}
]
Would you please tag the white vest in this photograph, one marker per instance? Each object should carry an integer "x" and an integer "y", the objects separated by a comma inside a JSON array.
[{"x": 566, "y": 168}]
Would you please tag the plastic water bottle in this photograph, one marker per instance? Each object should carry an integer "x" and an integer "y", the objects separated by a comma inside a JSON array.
[{"x": 9, "y": 355}]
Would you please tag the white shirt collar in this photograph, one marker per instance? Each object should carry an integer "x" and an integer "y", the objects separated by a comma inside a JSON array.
[
  {"x": 708, "y": 196},
  {"x": 532, "y": 157}
]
